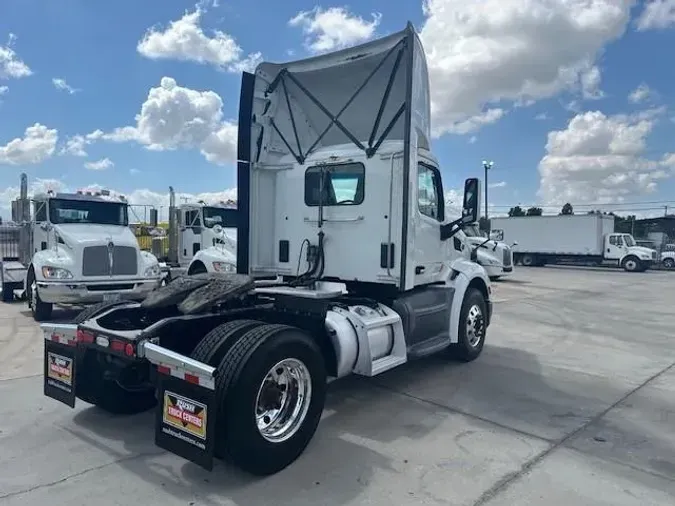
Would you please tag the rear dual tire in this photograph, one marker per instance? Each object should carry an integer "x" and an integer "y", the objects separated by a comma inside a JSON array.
[{"x": 271, "y": 390}]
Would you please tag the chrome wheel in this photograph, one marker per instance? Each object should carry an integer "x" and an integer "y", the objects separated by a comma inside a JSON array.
[
  {"x": 33, "y": 296},
  {"x": 283, "y": 400},
  {"x": 475, "y": 326}
]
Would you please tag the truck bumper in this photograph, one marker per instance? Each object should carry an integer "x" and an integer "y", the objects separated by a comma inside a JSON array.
[{"x": 73, "y": 292}]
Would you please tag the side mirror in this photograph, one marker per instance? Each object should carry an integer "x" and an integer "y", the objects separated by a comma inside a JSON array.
[
  {"x": 217, "y": 229},
  {"x": 471, "y": 203},
  {"x": 474, "y": 255},
  {"x": 46, "y": 226},
  {"x": 515, "y": 243}
]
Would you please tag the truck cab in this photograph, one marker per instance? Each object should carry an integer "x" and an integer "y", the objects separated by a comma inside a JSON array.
[
  {"x": 83, "y": 252},
  {"x": 207, "y": 237},
  {"x": 495, "y": 256},
  {"x": 622, "y": 249}
]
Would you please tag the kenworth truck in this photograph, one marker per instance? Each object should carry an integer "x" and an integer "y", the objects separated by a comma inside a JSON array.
[
  {"x": 77, "y": 249},
  {"x": 202, "y": 238},
  {"x": 345, "y": 265}
]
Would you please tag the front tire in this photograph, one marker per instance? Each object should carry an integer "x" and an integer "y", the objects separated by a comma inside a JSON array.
[
  {"x": 669, "y": 263},
  {"x": 472, "y": 327},
  {"x": 272, "y": 387},
  {"x": 41, "y": 310},
  {"x": 631, "y": 264},
  {"x": 528, "y": 260}
]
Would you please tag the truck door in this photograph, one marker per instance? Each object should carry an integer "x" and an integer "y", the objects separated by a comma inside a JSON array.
[
  {"x": 190, "y": 235},
  {"x": 614, "y": 247},
  {"x": 428, "y": 249},
  {"x": 40, "y": 234}
]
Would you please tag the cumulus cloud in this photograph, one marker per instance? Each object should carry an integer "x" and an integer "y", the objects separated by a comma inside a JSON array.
[
  {"x": 657, "y": 15},
  {"x": 4, "y": 90},
  {"x": 639, "y": 94},
  {"x": 174, "y": 117},
  {"x": 11, "y": 66},
  {"x": 185, "y": 39},
  {"x": 485, "y": 54},
  {"x": 102, "y": 164},
  {"x": 61, "y": 85},
  {"x": 600, "y": 158},
  {"x": 37, "y": 145},
  {"x": 334, "y": 28}
]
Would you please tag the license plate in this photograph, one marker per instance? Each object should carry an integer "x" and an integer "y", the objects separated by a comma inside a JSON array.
[{"x": 111, "y": 297}]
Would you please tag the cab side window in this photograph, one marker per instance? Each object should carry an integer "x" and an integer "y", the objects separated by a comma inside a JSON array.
[
  {"x": 430, "y": 192},
  {"x": 616, "y": 240},
  {"x": 40, "y": 211}
]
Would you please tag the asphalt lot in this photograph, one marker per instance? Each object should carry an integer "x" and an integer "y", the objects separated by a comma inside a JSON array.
[{"x": 571, "y": 403}]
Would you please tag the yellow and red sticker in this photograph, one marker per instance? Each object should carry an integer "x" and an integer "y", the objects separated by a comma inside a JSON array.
[
  {"x": 60, "y": 368},
  {"x": 185, "y": 414}
]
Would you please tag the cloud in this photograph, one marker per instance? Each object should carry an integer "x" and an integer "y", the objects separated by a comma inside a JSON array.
[
  {"x": 174, "y": 117},
  {"x": 334, "y": 28},
  {"x": 11, "y": 66},
  {"x": 542, "y": 116},
  {"x": 103, "y": 164},
  {"x": 75, "y": 145},
  {"x": 498, "y": 184},
  {"x": 600, "y": 159},
  {"x": 4, "y": 90},
  {"x": 185, "y": 40},
  {"x": 657, "y": 15},
  {"x": 483, "y": 55},
  {"x": 37, "y": 145},
  {"x": 639, "y": 94},
  {"x": 62, "y": 85}
]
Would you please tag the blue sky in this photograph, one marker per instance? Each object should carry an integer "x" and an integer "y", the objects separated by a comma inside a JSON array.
[{"x": 504, "y": 75}]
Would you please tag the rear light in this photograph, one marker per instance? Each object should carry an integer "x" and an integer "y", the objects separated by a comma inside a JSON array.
[
  {"x": 84, "y": 337},
  {"x": 162, "y": 369},
  {"x": 117, "y": 346},
  {"x": 129, "y": 350},
  {"x": 191, "y": 378}
]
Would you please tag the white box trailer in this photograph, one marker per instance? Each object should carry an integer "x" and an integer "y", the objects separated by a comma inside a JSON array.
[{"x": 584, "y": 238}]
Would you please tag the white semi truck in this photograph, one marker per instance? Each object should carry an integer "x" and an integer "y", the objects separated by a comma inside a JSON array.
[
  {"x": 75, "y": 249},
  {"x": 579, "y": 238},
  {"x": 202, "y": 238},
  {"x": 345, "y": 265},
  {"x": 496, "y": 257}
]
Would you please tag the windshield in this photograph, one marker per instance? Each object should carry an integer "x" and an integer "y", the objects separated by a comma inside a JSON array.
[
  {"x": 629, "y": 240},
  {"x": 226, "y": 218},
  {"x": 87, "y": 211},
  {"x": 473, "y": 231}
]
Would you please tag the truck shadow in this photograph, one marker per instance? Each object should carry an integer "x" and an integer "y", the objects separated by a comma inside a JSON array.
[{"x": 369, "y": 426}]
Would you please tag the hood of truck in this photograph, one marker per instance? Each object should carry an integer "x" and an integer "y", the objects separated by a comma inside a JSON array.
[
  {"x": 90, "y": 234},
  {"x": 642, "y": 250}
]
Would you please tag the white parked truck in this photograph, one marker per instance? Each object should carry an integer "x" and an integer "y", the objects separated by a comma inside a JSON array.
[
  {"x": 202, "y": 238},
  {"x": 496, "y": 257},
  {"x": 76, "y": 249},
  {"x": 580, "y": 238},
  {"x": 345, "y": 265}
]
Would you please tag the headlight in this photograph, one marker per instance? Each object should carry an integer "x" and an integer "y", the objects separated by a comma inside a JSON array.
[
  {"x": 224, "y": 267},
  {"x": 56, "y": 272},
  {"x": 153, "y": 271}
]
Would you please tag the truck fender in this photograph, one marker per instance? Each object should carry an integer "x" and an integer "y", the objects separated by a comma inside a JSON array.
[
  {"x": 213, "y": 254},
  {"x": 49, "y": 257},
  {"x": 466, "y": 275}
]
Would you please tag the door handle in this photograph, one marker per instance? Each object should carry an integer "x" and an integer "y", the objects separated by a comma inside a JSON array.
[{"x": 419, "y": 269}]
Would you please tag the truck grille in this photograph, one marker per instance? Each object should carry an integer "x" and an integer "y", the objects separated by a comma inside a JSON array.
[
  {"x": 507, "y": 257},
  {"x": 653, "y": 255},
  {"x": 95, "y": 261}
]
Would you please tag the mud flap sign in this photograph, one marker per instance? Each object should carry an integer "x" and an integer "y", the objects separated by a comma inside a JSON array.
[
  {"x": 59, "y": 372},
  {"x": 185, "y": 420}
]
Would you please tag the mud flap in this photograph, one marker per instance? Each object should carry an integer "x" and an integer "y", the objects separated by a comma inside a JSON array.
[
  {"x": 59, "y": 372},
  {"x": 185, "y": 420}
]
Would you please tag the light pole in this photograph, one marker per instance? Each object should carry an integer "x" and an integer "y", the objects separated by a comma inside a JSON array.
[{"x": 487, "y": 166}]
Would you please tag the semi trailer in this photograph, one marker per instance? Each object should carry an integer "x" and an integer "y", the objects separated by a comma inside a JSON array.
[
  {"x": 579, "y": 238},
  {"x": 74, "y": 249},
  {"x": 346, "y": 264}
]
